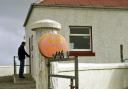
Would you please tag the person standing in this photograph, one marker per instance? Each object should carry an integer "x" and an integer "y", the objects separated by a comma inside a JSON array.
[{"x": 21, "y": 55}]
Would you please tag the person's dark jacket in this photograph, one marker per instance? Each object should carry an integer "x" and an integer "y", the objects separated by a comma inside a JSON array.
[{"x": 22, "y": 53}]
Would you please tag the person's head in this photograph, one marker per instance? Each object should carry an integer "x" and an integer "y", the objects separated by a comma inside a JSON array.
[{"x": 23, "y": 43}]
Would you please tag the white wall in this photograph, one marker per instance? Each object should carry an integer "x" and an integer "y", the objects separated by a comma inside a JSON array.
[
  {"x": 96, "y": 76},
  {"x": 109, "y": 28}
]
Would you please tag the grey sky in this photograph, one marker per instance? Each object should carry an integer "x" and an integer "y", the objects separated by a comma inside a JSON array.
[{"x": 12, "y": 16}]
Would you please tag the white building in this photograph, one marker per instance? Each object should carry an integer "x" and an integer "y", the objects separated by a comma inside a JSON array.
[
  {"x": 94, "y": 29},
  {"x": 103, "y": 26}
]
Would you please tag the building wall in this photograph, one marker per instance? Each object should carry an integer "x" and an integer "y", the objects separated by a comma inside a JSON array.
[{"x": 109, "y": 28}]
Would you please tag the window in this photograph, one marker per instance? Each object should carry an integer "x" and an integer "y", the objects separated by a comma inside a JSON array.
[{"x": 80, "y": 39}]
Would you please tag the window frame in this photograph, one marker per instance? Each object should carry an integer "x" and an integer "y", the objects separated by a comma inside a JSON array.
[{"x": 82, "y": 52}]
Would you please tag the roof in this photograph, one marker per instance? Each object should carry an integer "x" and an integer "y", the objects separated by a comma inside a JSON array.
[{"x": 87, "y": 3}]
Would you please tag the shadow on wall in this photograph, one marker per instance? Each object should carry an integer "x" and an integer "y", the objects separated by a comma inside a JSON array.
[{"x": 119, "y": 79}]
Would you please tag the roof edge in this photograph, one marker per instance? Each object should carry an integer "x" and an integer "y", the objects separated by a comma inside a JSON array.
[{"x": 28, "y": 14}]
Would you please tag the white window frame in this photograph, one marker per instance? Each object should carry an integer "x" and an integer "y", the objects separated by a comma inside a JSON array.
[{"x": 90, "y": 35}]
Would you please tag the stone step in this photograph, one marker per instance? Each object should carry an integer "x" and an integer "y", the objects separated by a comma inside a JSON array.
[
  {"x": 28, "y": 79},
  {"x": 6, "y": 79},
  {"x": 6, "y": 82},
  {"x": 16, "y": 86}
]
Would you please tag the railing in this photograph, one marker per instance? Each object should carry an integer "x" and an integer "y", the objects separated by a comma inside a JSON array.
[{"x": 15, "y": 65}]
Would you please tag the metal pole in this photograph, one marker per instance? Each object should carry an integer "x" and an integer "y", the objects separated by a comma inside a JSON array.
[
  {"x": 71, "y": 84},
  {"x": 30, "y": 56},
  {"x": 49, "y": 74},
  {"x": 121, "y": 53},
  {"x": 76, "y": 73},
  {"x": 14, "y": 65}
]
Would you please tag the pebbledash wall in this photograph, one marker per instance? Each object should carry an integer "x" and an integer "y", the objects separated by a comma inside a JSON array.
[
  {"x": 109, "y": 76},
  {"x": 109, "y": 30}
]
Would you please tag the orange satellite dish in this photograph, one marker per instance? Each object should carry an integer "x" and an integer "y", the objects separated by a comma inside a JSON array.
[{"x": 50, "y": 43}]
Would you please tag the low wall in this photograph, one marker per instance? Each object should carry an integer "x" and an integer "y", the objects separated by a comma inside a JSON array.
[
  {"x": 8, "y": 70},
  {"x": 96, "y": 76}
]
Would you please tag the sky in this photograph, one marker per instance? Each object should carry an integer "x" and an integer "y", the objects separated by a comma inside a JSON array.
[{"x": 12, "y": 17}]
